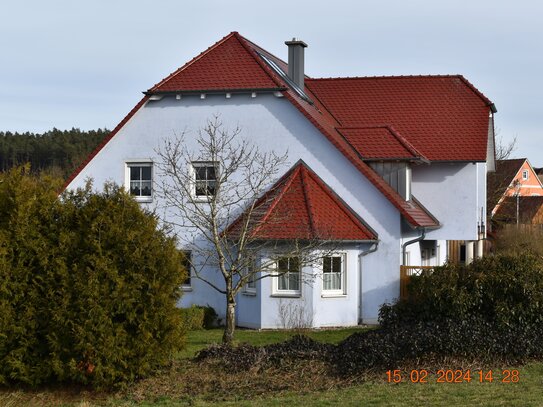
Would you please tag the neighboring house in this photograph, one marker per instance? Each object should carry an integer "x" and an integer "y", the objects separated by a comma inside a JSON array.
[
  {"x": 392, "y": 167},
  {"x": 528, "y": 210},
  {"x": 539, "y": 172},
  {"x": 511, "y": 178}
]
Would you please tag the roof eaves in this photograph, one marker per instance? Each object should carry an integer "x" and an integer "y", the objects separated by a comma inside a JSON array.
[{"x": 212, "y": 91}]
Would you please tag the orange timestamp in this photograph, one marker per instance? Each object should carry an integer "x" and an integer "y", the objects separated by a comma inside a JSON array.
[{"x": 453, "y": 376}]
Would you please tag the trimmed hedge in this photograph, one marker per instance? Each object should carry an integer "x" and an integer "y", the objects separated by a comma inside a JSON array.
[
  {"x": 88, "y": 285},
  {"x": 197, "y": 317}
]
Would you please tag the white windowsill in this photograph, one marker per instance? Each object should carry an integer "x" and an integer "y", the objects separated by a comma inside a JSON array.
[
  {"x": 202, "y": 199},
  {"x": 186, "y": 288},
  {"x": 286, "y": 295},
  {"x": 332, "y": 295},
  {"x": 249, "y": 293},
  {"x": 141, "y": 199}
]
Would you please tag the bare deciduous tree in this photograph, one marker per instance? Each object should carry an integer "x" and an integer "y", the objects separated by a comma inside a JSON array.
[{"x": 217, "y": 194}]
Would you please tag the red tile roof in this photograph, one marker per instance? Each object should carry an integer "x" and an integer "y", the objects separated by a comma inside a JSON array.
[
  {"x": 380, "y": 143},
  {"x": 234, "y": 63},
  {"x": 227, "y": 65},
  {"x": 444, "y": 117},
  {"x": 414, "y": 213},
  {"x": 301, "y": 206}
]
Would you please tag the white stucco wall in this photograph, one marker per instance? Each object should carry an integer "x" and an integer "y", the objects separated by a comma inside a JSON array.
[
  {"x": 273, "y": 124},
  {"x": 454, "y": 193}
]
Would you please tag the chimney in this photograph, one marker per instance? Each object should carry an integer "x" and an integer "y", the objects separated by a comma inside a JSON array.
[{"x": 296, "y": 61}]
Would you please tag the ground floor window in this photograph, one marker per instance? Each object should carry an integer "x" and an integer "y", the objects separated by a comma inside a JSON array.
[
  {"x": 187, "y": 265},
  {"x": 333, "y": 274},
  {"x": 288, "y": 279}
]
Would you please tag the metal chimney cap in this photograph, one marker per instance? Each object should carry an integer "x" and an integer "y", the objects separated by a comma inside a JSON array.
[{"x": 296, "y": 41}]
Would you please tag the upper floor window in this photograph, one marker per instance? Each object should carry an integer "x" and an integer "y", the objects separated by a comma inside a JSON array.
[
  {"x": 140, "y": 180},
  {"x": 205, "y": 179},
  {"x": 525, "y": 174}
]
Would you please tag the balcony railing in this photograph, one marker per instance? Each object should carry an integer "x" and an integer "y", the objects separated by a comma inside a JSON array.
[{"x": 405, "y": 276}]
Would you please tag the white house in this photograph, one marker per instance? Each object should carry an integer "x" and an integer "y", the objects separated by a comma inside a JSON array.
[{"x": 394, "y": 166}]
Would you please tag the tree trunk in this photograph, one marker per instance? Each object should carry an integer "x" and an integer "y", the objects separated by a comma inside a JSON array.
[{"x": 228, "y": 335}]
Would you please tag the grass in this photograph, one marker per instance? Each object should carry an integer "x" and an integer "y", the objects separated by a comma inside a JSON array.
[
  {"x": 197, "y": 340},
  {"x": 190, "y": 384}
]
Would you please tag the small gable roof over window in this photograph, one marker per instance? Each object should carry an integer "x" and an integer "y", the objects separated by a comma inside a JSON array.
[{"x": 380, "y": 143}]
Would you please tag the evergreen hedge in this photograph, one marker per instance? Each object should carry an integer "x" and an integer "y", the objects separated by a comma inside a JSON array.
[{"x": 88, "y": 285}]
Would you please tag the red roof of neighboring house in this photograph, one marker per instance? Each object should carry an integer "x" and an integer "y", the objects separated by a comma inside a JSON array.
[
  {"x": 444, "y": 117},
  {"x": 227, "y": 65},
  {"x": 301, "y": 206},
  {"x": 383, "y": 142}
]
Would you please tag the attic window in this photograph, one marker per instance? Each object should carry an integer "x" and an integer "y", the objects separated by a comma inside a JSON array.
[
  {"x": 525, "y": 174},
  {"x": 285, "y": 77}
]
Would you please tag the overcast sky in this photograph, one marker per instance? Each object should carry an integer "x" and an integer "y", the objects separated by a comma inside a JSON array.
[{"x": 67, "y": 63}]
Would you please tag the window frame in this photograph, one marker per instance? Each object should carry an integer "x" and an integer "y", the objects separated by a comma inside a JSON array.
[
  {"x": 184, "y": 286},
  {"x": 193, "y": 166},
  {"x": 127, "y": 181},
  {"x": 278, "y": 292},
  {"x": 525, "y": 175},
  {"x": 250, "y": 286},
  {"x": 343, "y": 289}
]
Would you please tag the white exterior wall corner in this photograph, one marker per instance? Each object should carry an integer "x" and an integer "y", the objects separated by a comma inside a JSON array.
[
  {"x": 491, "y": 145},
  {"x": 452, "y": 192},
  {"x": 272, "y": 124}
]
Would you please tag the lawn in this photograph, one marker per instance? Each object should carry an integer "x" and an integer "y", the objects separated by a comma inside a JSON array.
[{"x": 167, "y": 388}]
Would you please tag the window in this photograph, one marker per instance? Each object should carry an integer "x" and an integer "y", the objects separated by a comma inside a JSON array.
[
  {"x": 187, "y": 265},
  {"x": 288, "y": 280},
  {"x": 250, "y": 287},
  {"x": 140, "y": 180},
  {"x": 333, "y": 275},
  {"x": 205, "y": 179},
  {"x": 525, "y": 174}
]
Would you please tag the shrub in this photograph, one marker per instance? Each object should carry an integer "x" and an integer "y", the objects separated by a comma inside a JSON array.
[
  {"x": 504, "y": 290},
  {"x": 197, "y": 317},
  {"x": 490, "y": 311},
  {"x": 88, "y": 286},
  {"x": 245, "y": 356}
]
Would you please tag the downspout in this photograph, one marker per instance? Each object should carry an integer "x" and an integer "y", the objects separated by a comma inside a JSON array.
[
  {"x": 409, "y": 242},
  {"x": 372, "y": 249}
]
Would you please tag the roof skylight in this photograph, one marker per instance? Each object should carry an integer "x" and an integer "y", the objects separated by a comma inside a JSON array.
[{"x": 285, "y": 77}]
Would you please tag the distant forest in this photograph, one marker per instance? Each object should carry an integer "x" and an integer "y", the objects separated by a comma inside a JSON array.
[{"x": 57, "y": 152}]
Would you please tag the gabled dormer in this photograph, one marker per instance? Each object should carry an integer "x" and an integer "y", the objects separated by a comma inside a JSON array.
[{"x": 387, "y": 152}]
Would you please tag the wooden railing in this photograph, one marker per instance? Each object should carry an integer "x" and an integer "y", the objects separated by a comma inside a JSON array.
[{"x": 405, "y": 276}]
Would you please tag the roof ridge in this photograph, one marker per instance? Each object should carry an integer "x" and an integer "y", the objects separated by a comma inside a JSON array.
[
  {"x": 338, "y": 201},
  {"x": 410, "y": 147},
  {"x": 303, "y": 174},
  {"x": 426, "y": 76},
  {"x": 273, "y": 76},
  {"x": 193, "y": 60},
  {"x": 332, "y": 78},
  {"x": 287, "y": 179}
]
